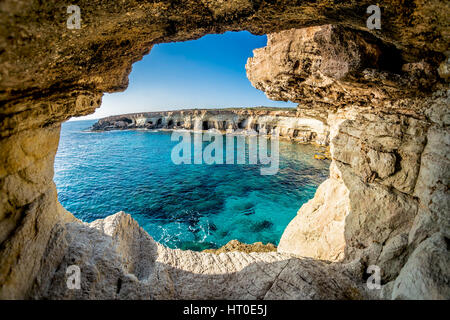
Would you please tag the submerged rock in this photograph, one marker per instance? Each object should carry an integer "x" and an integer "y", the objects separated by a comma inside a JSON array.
[{"x": 235, "y": 245}]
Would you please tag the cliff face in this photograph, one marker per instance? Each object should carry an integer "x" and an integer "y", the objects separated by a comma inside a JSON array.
[
  {"x": 388, "y": 186},
  {"x": 288, "y": 123},
  {"x": 383, "y": 94},
  {"x": 334, "y": 66}
]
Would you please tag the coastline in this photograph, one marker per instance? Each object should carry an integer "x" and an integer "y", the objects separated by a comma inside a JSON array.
[
  {"x": 323, "y": 151},
  {"x": 289, "y": 125}
]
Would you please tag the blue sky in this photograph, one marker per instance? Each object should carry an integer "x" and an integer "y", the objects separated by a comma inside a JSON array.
[{"x": 204, "y": 73}]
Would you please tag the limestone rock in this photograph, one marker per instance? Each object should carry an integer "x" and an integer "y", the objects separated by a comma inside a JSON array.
[
  {"x": 393, "y": 256},
  {"x": 382, "y": 163},
  {"x": 235, "y": 245},
  {"x": 383, "y": 95},
  {"x": 434, "y": 178},
  {"x": 380, "y": 151},
  {"x": 303, "y": 127},
  {"x": 426, "y": 275},
  {"x": 444, "y": 69},
  {"x": 318, "y": 229},
  {"x": 332, "y": 65}
]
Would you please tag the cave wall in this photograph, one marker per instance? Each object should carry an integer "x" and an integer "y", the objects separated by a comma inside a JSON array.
[
  {"x": 29, "y": 206},
  {"x": 49, "y": 73},
  {"x": 387, "y": 192}
]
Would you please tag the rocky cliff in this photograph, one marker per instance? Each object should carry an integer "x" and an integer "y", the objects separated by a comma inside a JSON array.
[
  {"x": 387, "y": 195},
  {"x": 383, "y": 92},
  {"x": 288, "y": 124}
]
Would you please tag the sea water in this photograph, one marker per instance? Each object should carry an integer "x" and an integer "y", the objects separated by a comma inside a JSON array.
[{"x": 183, "y": 206}]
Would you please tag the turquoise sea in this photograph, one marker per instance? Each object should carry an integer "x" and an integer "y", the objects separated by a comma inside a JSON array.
[{"x": 182, "y": 206}]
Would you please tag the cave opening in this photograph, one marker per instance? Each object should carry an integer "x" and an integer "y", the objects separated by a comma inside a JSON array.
[
  {"x": 33, "y": 221},
  {"x": 173, "y": 76},
  {"x": 179, "y": 91}
]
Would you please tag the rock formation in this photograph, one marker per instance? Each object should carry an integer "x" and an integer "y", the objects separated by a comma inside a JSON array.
[
  {"x": 383, "y": 93},
  {"x": 235, "y": 245},
  {"x": 287, "y": 123},
  {"x": 318, "y": 229},
  {"x": 386, "y": 193}
]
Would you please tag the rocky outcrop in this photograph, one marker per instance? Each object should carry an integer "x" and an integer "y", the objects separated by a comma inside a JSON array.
[
  {"x": 288, "y": 124},
  {"x": 383, "y": 94},
  {"x": 335, "y": 66},
  {"x": 426, "y": 274},
  {"x": 318, "y": 229},
  {"x": 137, "y": 267},
  {"x": 378, "y": 201},
  {"x": 235, "y": 245}
]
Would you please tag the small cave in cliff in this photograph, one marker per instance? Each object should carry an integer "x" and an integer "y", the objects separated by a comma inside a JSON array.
[
  {"x": 124, "y": 119},
  {"x": 205, "y": 125},
  {"x": 170, "y": 123}
]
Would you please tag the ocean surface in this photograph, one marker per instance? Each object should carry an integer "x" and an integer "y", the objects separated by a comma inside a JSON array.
[{"x": 182, "y": 206}]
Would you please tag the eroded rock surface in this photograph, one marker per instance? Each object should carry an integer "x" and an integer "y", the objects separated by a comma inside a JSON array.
[
  {"x": 333, "y": 65},
  {"x": 287, "y": 124},
  {"x": 137, "y": 267},
  {"x": 318, "y": 229},
  {"x": 386, "y": 193},
  {"x": 235, "y": 245},
  {"x": 426, "y": 274}
]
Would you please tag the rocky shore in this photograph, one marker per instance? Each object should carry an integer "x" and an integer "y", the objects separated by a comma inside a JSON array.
[{"x": 289, "y": 124}]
